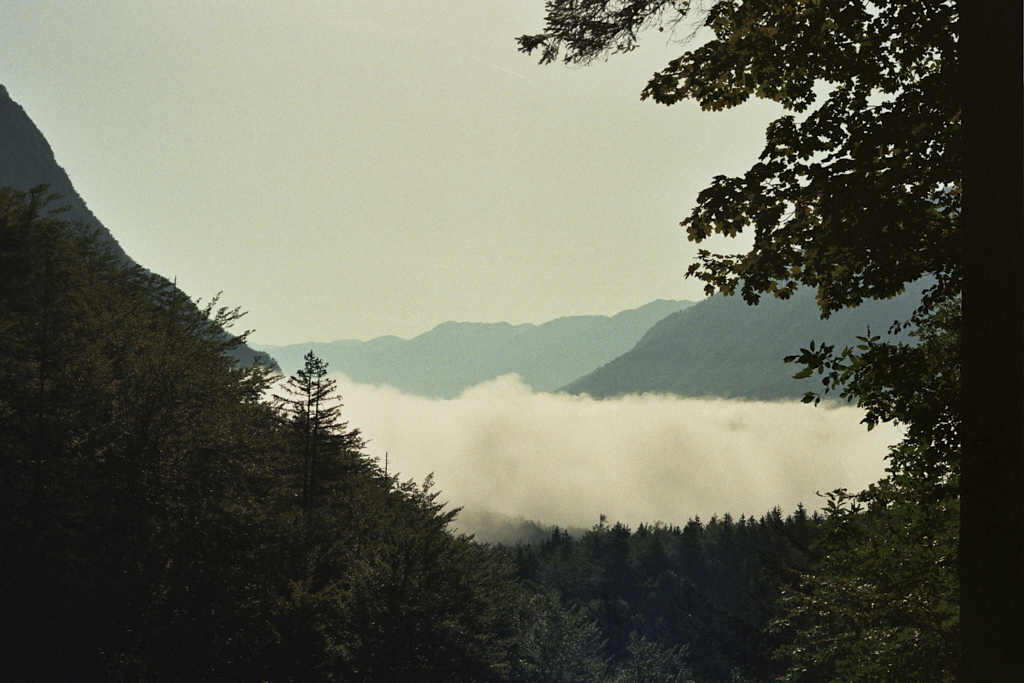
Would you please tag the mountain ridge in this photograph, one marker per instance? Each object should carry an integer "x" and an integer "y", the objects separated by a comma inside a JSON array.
[
  {"x": 725, "y": 348},
  {"x": 452, "y": 356},
  {"x": 27, "y": 160},
  {"x": 719, "y": 347}
]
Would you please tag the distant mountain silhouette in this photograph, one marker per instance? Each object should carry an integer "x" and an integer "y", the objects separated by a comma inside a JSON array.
[
  {"x": 723, "y": 347},
  {"x": 455, "y": 355},
  {"x": 26, "y": 161}
]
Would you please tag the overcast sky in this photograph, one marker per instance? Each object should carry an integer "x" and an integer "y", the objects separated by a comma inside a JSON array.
[{"x": 347, "y": 169}]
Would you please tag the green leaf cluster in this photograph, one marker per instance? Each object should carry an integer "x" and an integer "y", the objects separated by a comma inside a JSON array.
[{"x": 883, "y": 603}]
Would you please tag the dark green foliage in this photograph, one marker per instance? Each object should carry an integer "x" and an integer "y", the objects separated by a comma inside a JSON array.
[
  {"x": 555, "y": 643},
  {"x": 123, "y": 430},
  {"x": 328, "y": 452},
  {"x": 883, "y": 605},
  {"x": 162, "y": 521},
  {"x": 159, "y": 520},
  {"x": 651, "y": 663},
  {"x": 680, "y": 601}
]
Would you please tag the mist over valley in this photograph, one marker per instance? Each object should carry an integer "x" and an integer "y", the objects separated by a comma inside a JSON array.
[
  {"x": 663, "y": 413},
  {"x": 557, "y": 459},
  {"x": 467, "y": 401}
]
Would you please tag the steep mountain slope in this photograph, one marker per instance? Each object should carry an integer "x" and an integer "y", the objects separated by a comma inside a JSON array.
[
  {"x": 723, "y": 347},
  {"x": 26, "y": 160},
  {"x": 454, "y": 356}
]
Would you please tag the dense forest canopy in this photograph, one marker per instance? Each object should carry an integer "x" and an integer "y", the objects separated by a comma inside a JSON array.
[{"x": 161, "y": 521}]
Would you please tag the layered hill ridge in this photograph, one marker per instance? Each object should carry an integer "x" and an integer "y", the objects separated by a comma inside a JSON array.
[
  {"x": 722, "y": 347},
  {"x": 454, "y": 356},
  {"x": 27, "y": 161},
  {"x": 719, "y": 347}
]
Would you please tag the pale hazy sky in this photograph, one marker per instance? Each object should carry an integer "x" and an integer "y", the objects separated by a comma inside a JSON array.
[{"x": 347, "y": 169}]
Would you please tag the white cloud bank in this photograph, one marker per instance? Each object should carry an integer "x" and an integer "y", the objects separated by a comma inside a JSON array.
[{"x": 565, "y": 460}]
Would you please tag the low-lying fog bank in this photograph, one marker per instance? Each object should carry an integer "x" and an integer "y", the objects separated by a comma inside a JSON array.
[{"x": 500, "y": 450}]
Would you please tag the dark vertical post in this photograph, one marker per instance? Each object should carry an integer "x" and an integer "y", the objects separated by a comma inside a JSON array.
[{"x": 992, "y": 534}]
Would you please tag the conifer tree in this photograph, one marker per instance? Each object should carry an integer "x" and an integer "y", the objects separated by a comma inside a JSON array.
[{"x": 312, "y": 408}]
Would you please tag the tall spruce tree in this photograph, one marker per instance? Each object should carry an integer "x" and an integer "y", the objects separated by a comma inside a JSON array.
[{"x": 313, "y": 408}]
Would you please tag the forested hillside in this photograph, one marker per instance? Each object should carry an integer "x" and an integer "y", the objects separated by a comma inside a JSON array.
[
  {"x": 163, "y": 521},
  {"x": 724, "y": 347},
  {"x": 160, "y": 521},
  {"x": 171, "y": 513},
  {"x": 705, "y": 592}
]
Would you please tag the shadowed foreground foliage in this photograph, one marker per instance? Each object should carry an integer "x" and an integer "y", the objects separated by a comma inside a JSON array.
[{"x": 162, "y": 521}]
